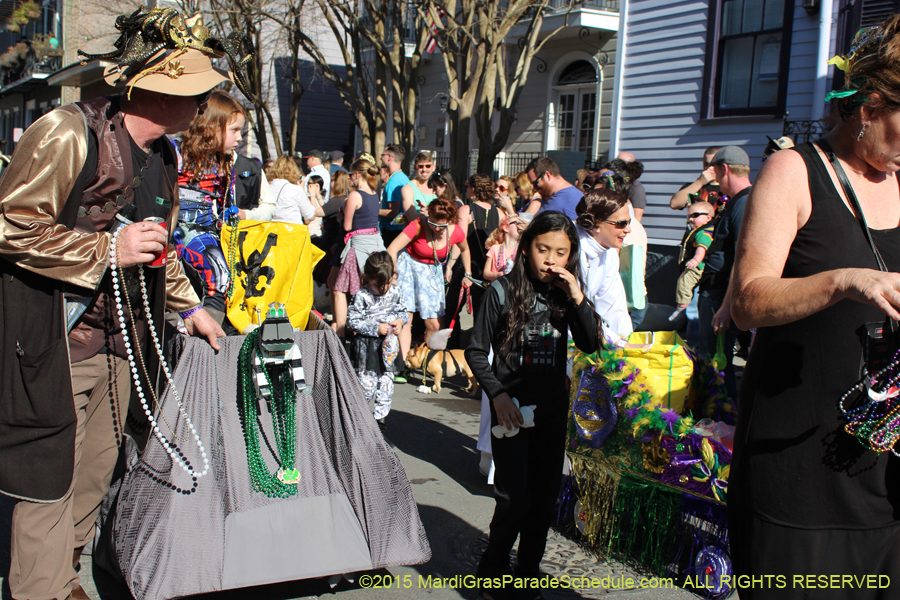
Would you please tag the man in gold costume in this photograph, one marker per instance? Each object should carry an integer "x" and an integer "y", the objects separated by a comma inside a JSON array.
[{"x": 66, "y": 369}]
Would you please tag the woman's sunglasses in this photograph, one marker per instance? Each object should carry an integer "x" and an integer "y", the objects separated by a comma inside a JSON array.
[
  {"x": 619, "y": 224},
  {"x": 438, "y": 224}
]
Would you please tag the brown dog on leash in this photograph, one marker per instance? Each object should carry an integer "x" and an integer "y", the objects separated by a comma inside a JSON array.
[{"x": 441, "y": 363}]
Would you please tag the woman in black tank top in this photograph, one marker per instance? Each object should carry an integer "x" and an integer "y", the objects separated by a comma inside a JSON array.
[
  {"x": 805, "y": 497},
  {"x": 486, "y": 217}
]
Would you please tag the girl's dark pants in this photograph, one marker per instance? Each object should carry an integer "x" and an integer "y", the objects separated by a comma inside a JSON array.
[{"x": 527, "y": 478}]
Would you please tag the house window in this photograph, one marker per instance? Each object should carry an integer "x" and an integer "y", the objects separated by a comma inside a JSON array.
[
  {"x": 576, "y": 108},
  {"x": 748, "y": 52},
  {"x": 566, "y": 128}
]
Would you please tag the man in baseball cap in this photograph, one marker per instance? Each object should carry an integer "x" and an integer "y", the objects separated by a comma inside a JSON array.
[
  {"x": 314, "y": 160},
  {"x": 337, "y": 161},
  {"x": 774, "y": 145},
  {"x": 91, "y": 190},
  {"x": 732, "y": 169},
  {"x": 731, "y": 155}
]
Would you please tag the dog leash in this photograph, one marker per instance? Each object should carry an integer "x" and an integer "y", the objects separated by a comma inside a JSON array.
[{"x": 463, "y": 291}]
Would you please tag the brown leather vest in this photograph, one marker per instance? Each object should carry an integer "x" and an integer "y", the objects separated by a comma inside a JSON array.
[{"x": 110, "y": 189}]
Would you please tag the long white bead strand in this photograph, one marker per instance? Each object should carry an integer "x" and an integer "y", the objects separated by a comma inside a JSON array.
[{"x": 120, "y": 311}]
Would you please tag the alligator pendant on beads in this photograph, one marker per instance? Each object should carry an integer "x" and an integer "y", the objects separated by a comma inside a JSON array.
[{"x": 288, "y": 476}]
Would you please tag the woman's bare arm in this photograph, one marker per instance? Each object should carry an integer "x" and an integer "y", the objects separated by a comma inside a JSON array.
[
  {"x": 778, "y": 206},
  {"x": 399, "y": 243},
  {"x": 353, "y": 201}
]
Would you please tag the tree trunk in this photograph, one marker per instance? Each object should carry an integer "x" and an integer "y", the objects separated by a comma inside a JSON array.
[
  {"x": 380, "y": 108},
  {"x": 491, "y": 143},
  {"x": 404, "y": 111},
  {"x": 259, "y": 130},
  {"x": 275, "y": 137},
  {"x": 297, "y": 89},
  {"x": 459, "y": 146}
]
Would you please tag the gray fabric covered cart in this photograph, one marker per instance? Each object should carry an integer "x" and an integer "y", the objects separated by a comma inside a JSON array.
[{"x": 354, "y": 509}]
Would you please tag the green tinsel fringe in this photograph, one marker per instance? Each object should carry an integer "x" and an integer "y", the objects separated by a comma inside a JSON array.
[
  {"x": 627, "y": 518},
  {"x": 647, "y": 517}
]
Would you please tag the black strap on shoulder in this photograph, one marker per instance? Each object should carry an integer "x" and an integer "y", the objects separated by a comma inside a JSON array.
[
  {"x": 890, "y": 324},
  {"x": 70, "y": 211},
  {"x": 854, "y": 201},
  {"x": 500, "y": 285}
]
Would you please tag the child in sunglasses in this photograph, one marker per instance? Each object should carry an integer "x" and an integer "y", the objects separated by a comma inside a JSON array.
[{"x": 699, "y": 235}]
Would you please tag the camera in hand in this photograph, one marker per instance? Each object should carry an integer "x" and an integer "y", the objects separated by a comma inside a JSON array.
[{"x": 880, "y": 345}]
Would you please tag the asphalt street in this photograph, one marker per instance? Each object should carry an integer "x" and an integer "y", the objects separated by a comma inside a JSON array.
[{"x": 435, "y": 436}]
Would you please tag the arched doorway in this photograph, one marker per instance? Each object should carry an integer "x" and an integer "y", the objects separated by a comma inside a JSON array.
[{"x": 577, "y": 107}]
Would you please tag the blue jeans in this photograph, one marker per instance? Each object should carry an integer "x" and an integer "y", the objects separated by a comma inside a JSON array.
[{"x": 708, "y": 305}]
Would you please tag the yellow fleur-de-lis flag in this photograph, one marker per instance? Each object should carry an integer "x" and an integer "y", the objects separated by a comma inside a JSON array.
[{"x": 269, "y": 262}]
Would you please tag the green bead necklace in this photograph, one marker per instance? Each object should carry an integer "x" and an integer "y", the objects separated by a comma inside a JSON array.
[
  {"x": 282, "y": 406},
  {"x": 232, "y": 260}
]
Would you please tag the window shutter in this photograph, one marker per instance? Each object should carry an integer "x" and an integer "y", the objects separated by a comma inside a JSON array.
[
  {"x": 876, "y": 11},
  {"x": 853, "y": 15}
]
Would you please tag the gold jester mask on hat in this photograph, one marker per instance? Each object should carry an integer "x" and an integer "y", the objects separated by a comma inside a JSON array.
[{"x": 162, "y": 51}]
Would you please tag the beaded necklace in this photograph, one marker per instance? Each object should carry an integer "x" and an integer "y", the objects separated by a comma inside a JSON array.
[
  {"x": 117, "y": 273},
  {"x": 282, "y": 406},
  {"x": 876, "y": 422},
  {"x": 438, "y": 265},
  {"x": 232, "y": 259},
  {"x": 231, "y": 189},
  {"x": 233, "y": 239}
]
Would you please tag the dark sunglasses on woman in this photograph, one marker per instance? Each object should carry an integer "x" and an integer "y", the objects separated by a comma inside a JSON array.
[{"x": 619, "y": 224}]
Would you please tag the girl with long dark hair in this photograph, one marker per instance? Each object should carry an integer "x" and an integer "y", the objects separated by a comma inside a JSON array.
[{"x": 524, "y": 318}]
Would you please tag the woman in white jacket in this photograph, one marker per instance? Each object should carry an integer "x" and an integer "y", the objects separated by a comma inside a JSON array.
[{"x": 603, "y": 222}]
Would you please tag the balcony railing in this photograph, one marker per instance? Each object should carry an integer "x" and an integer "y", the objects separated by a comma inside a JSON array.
[
  {"x": 595, "y": 163},
  {"x": 47, "y": 65},
  {"x": 505, "y": 163},
  {"x": 804, "y": 131},
  {"x": 30, "y": 65},
  {"x": 604, "y": 5}
]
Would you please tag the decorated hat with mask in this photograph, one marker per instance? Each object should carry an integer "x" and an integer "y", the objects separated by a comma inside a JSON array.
[{"x": 162, "y": 51}]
